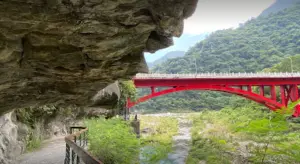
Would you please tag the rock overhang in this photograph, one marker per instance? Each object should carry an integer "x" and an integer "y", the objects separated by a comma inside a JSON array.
[{"x": 65, "y": 51}]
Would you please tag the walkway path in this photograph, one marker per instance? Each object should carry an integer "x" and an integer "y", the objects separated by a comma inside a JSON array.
[{"x": 52, "y": 152}]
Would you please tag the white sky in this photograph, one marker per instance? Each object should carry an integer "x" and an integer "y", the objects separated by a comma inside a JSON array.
[{"x": 212, "y": 15}]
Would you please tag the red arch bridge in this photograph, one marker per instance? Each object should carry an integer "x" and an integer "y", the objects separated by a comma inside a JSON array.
[{"x": 262, "y": 88}]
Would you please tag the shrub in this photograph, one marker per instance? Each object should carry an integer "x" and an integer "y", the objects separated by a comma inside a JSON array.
[
  {"x": 158, "y": 142},
  {"x": 112, "y": 141},
  {"x": 34, "y": 138}
]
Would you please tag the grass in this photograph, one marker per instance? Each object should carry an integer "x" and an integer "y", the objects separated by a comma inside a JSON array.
[
  {"x": 157, "y": 142},
  {"x": 33, "y": 144},
  {"x": 207, "y": 145},
  {"x": 113, "y": 141},
  {"x": 243, "y": 134},
  {"x": 34, "y": 138}
]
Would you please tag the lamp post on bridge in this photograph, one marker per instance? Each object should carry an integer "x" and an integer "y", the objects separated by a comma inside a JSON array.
[
  {"x": 291, "y": 64},
  {"x": 196, "y": 69},
  {"x": 196, "y": 66},
  {"x": 195, "y": 62},
  {"x": 229, "y": 69}
]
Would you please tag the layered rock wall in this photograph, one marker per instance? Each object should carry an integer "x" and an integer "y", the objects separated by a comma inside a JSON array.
[
  {"x": 10, "y": 144},
  {"x": 65, "y": 51}
]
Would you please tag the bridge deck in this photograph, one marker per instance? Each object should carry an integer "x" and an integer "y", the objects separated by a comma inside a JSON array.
[
  {"x": 218, "y": 75},
  {"x": 210, "y": 79}
]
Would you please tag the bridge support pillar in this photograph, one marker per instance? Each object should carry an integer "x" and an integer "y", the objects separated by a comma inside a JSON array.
[
  {"x": 241, "y": 87},
  {"x": 294, "y": 95},
  {"x": 290, "y": 93},
  {"x": 152, "y": 90},
  {"x": 297, "y": 111},
  {"x": 262, "y": 90},
  {"x": 283, "y": 95},
  {"x": 127, "y": 109},
  {"x": 273, "y": 92},
  {"x": 249, "y": 88}
]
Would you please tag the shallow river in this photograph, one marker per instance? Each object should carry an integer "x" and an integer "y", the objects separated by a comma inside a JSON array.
[{"x": 181, "y": 142}]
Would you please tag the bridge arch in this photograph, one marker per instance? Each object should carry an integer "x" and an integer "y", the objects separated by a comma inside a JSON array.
[
  {"x": 259, "y": 98},
  {"x": 233, "y": 83}
]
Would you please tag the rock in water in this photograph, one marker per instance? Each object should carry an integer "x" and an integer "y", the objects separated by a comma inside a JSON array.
[{"x": 65, "y": 51}]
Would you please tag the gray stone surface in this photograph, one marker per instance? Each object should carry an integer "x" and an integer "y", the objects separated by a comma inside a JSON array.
[
  {"x": 108, "y": 97},
  {"x": 181, "y": 142},
  {"x": 65, "y": 51},
  {"x": 10, "y": 145},
  {"x": 53, "y": 152}
]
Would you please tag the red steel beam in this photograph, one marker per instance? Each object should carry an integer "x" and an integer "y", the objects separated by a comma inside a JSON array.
[
  {"x": 288, "y": 88},
  {"x": 273, "y": 92},
  {"x": 139, "y": 83},
  {"x": 152, "y": 90},
  {"x": 249, "y": 88},
  {"x": 262, "y": 90},
  {"x": 273, "y": 105},
  {"x": 283, "y": 95}
]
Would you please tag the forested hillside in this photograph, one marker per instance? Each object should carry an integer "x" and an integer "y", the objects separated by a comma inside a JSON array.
[
  {"x": 258, "y": 44},
  {"x": 169, "y": 55},
  {"x": 278, "y": 6}
]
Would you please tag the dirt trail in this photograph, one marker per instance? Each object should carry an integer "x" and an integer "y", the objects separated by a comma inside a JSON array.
[{"x": 52, "y": 152}]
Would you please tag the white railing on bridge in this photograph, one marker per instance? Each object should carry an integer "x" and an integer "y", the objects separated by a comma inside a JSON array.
[{"x": 217, "y": 75}]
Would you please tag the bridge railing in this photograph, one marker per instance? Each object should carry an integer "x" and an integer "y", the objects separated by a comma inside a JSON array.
[
  {"x": 218, "y": 75},
  {"x": 76, "y": 147}
]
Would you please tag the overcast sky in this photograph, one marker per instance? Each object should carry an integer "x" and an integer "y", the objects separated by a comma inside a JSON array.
[{"x": 212, "y": 15}]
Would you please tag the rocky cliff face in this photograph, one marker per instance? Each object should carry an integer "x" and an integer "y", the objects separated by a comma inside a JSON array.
[
  {"x": 65, "y": 51},
  {"x": 10, "y": 144},
  {"x": 16, "y": 134}
]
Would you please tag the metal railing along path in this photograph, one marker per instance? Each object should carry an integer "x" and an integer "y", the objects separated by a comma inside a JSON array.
[
  {"x": 76, "y": 145},
  {"x": 217, "y": 75}
]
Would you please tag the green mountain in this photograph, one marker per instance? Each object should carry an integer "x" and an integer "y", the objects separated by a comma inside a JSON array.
[
  {"x": 258, "y": 44},
  {"x": 279, "y": 5},
  {"x": 169, "y": 55},
  {"x": 180, "y": 44}
]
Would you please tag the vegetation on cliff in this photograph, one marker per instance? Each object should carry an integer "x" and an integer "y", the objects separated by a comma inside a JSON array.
[
  {"x": 37, "y": 122},
  {"x": 128, "y": 91}
]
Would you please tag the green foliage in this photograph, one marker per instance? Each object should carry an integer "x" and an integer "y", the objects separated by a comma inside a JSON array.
[
  {"x": 33, "y": 143},
  {"x": 34, "y": 138},
  {"x": 258, "y": 44},
  {"x": 269, "y": 137},
  {"x": 157, "y": 143},
  {"x": 32, "y": 115},
  {"x": 289, "y": 64},
  {"x": 113, "y": 141},
  {"x": 128, "y": 90},
  {"x": 212, "y": 151}
]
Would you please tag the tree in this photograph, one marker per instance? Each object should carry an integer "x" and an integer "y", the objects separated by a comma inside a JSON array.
[{"x": 128, "y": 91}]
